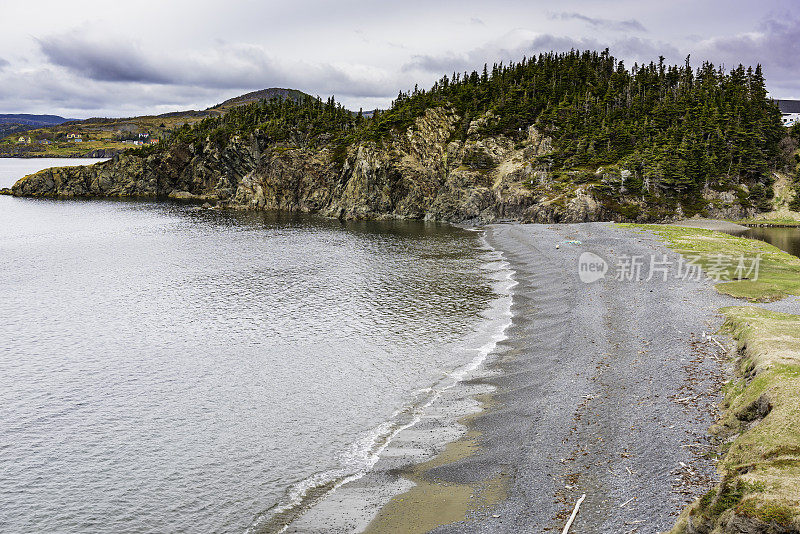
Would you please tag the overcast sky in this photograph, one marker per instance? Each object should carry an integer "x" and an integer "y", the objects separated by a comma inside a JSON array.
[{"x": 83, "y": 58}]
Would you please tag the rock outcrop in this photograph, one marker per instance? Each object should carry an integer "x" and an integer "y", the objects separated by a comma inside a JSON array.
[
  {"x": 420, "y": 174},
  {"x": 102, "y": 153}
]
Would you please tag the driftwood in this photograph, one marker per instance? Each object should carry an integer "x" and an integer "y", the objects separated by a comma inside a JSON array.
[{"x": 574, "y": 514}]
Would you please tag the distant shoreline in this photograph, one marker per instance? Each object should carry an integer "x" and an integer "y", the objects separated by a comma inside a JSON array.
[{"x": 51, "y": 156}]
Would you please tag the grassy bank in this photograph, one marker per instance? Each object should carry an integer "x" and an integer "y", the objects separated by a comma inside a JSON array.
[
  {"x": 760, "y": 488},
  {"x": 760, "y": 423},
  {"x": 779, "y": 222},
  {"x": 779, "y": 272},
  {"x": 60, "y": 150}
]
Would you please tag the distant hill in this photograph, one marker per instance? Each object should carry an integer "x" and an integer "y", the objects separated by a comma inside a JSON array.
[
  {"x": 263, "y": 94},
  {"x": 100, "y": 133},
  {"x": 11, "y": 124},
  {"x": 13, "y": 128},
  {"x": 32, "y": 120}
]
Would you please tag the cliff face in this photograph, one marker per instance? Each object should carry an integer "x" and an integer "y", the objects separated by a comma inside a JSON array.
[{"x": 420, "y": 174}]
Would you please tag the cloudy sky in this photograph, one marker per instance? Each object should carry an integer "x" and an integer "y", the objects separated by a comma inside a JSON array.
[{"x": 86, "y": 58}]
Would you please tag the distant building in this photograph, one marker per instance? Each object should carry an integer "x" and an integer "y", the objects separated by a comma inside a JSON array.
[
  {"x": 790, "y": 112},
  {"x": 45, "y": 142},
  {"x": 73, "y": 135},
  {"x": 24, "y": 140},
  {"x": 153, "y": 140},
  {"x": 790, "y": 119}
]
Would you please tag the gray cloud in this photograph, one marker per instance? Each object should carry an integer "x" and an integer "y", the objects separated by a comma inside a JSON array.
[
  {"x": 776, "y": 46},
  {"x": 601, "y": 23},
  {"x": 54, "y": 91},
  {"x": 131, "y": 62},
  {"x": 232, "y": 67},
  {"x": 630, "y": 49},
  {"x": 490, "y": 53},
  {"x": 107, "y": 62},
  {"x": 644, "y": 50}
]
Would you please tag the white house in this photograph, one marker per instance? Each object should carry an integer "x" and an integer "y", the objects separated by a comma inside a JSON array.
[
  {"x": 790, "y": 119},
  {"x": 790, "y": 111}
]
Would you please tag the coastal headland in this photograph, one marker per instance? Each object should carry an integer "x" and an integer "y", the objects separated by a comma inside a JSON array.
[{"x": 556, "y": 138}]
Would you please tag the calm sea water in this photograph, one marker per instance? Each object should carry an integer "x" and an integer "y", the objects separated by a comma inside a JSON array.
[
  {"x": 169, "y": 369},
  {"x": 787, "y": 239}
]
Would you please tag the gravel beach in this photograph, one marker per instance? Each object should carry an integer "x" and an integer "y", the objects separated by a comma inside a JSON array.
[{"x": 607, "y": 389}]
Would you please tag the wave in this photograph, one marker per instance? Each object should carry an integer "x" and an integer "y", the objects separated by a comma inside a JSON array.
[{"x": 364, "y": 453}]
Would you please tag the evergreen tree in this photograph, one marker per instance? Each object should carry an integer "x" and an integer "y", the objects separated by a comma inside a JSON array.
[{"x": 678, "y": 130}]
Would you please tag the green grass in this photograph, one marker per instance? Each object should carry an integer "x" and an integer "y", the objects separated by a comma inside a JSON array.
[
  {"x": 779, "y": 272},
  {"x": 776, "y": 513},
  {"x": 783, "y": 222},
  {"x": 99, "y": 134},
  {"x": 760, "y": 464},
  {"x": 761, "y": 415}
]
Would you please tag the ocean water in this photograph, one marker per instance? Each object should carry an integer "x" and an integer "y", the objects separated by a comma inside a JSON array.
[
  {"x": 170, "y": 369},
  {"x": 786, "y": 239}
]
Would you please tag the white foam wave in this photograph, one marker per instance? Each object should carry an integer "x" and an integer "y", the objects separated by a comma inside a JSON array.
[{"x": 364, "y": 453}]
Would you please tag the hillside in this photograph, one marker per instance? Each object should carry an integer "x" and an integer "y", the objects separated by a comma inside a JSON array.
[
  {"x": 255, "y": 96},
  {"x": 48, "y": 133},
  {"x": 11, "y": 124},
  {"x": 558, "y": 137},
  {"x": 96, "y": 134},
  {"x": 32, "y": 120}
]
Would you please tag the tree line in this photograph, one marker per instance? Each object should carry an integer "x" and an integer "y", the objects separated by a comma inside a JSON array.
[{"x": 678, "y": 129}]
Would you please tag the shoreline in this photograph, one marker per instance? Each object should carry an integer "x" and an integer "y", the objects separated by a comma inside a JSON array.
[
  {"x": 571, "y": 404},
  {"x": 772, "y": 225},
  {"x": 52, "y": 156},
  {"x": 652, "y": 454},
  {"x": 432, "y": 425},
  {"x": 585, "y": 406},
  {"x": 607, "y": 390}
]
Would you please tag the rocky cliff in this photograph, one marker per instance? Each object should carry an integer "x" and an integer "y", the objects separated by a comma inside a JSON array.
[{"x": 421, "y": 174}]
